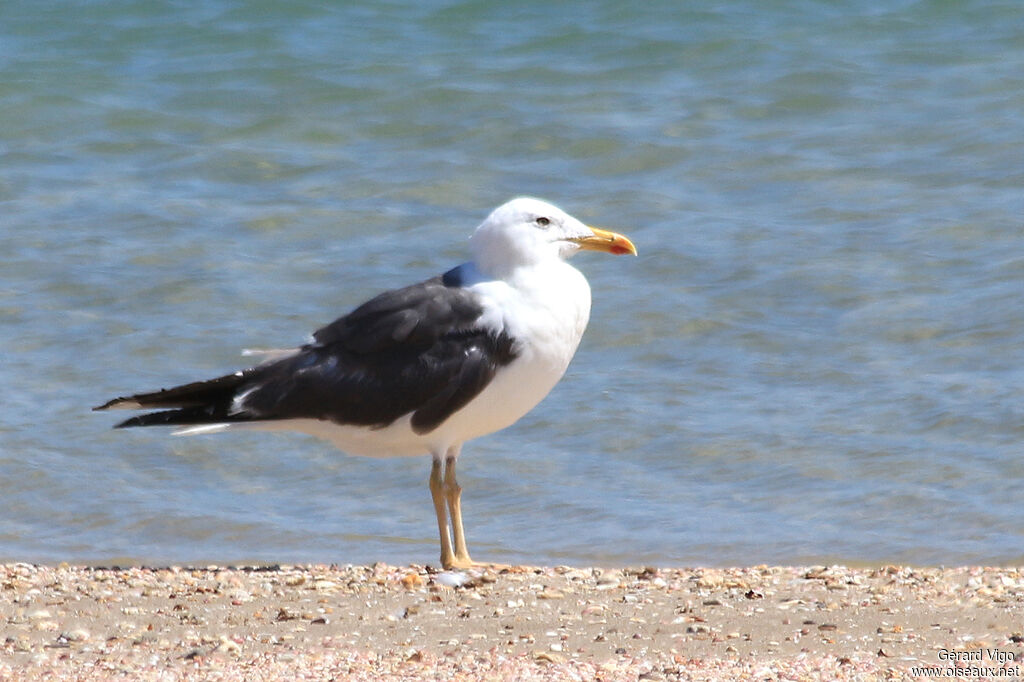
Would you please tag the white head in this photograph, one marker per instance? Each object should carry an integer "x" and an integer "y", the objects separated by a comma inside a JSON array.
[{"x": 527, "y": 231}]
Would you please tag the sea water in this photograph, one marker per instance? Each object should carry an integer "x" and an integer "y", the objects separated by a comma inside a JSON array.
[{"x": 818, "y": 355}]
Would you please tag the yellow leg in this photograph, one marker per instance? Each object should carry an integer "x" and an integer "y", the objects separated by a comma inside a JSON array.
[
  {"x": 453, "y": 493},
  {"x": 437, "y": 491}
]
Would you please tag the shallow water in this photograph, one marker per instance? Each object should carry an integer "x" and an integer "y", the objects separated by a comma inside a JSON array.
[{"x": 817, "y": 356}]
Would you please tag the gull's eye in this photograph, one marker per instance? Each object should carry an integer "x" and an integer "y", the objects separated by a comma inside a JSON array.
[{"x": 543, "y": 222}]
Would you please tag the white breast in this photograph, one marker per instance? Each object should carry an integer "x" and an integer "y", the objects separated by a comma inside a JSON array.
[{"x": 546, "y": 309}]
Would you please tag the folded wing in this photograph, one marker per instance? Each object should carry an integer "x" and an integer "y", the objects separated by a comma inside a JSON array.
[{"x": 420, "y": 350}]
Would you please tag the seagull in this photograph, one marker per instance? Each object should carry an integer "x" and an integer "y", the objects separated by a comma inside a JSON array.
[{"x": 421, "y": 369}]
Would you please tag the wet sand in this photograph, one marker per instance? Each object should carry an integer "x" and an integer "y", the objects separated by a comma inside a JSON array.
[{"x": 411, "y": 622}]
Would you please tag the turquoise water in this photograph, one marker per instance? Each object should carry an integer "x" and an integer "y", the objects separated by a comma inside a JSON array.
[{"x": 818, "y": 355}]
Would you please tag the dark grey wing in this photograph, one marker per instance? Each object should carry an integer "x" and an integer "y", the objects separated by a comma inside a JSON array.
[
  {"x": 416, "y": 315},
  {"x": 416, "y": 350}
]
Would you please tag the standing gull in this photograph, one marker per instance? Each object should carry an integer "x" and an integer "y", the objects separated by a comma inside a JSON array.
[{"x": 421, "y": 369}]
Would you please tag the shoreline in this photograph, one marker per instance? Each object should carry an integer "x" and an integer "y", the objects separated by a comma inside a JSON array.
[{"x": 411, "y": 622}]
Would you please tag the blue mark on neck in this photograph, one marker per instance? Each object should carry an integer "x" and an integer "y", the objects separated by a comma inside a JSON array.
[{"x": 461, "y": 276}]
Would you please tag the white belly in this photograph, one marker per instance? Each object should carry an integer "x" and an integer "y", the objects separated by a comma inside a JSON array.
[{"x": 515, "y": 390}]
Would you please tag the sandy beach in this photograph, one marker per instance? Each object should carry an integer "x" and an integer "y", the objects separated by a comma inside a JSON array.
[{"x": 561, "y": 623}]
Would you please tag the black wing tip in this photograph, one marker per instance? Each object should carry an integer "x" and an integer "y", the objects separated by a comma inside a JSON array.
[
  {"x": 110, "y": 403},
  {"x": 182, "y": 417},
  {"x": 160, "y": 418},
  {"x": 196, "y": 394}
]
